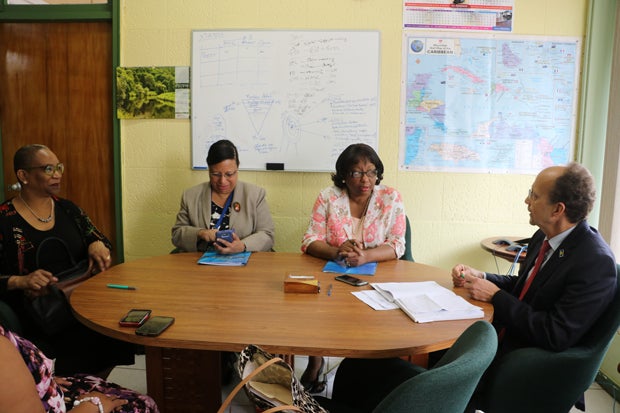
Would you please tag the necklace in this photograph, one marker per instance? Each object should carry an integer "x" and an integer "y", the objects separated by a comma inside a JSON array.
[
  {"x": 359, "y": 229},
  {"x": 43, "y": 220}
]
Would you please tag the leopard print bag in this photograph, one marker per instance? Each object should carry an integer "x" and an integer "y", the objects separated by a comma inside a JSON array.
[{"x": 273, "y": 384}]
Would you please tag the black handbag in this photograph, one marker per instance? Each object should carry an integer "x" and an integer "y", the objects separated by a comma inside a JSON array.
[{"x": 51, "y": 311}]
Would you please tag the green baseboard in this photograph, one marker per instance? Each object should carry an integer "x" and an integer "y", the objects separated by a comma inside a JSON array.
[{"x": 609, "y": 385}]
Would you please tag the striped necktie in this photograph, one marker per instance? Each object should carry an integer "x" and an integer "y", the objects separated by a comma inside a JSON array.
[{"x": 539, "y": 260}]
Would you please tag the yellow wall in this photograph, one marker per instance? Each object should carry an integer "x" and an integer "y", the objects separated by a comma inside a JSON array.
[{"x": 449, "y": 212}]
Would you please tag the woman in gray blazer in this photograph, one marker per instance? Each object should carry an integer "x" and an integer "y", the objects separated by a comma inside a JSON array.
[{"x": 223, "y": 203}]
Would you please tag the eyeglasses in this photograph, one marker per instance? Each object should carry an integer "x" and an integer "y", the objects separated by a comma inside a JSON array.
[
  {"x": 358, "y": 174},
  {"x": 219, "y": 175},
  {"x": 49, "y": 169},
  {"x": 531, "y": 195}
]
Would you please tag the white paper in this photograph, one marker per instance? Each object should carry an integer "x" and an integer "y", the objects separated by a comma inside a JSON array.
[{"x": 422, "y": 301}]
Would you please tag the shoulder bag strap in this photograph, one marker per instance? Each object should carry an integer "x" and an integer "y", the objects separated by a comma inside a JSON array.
[{"x": 249, "y": 377}]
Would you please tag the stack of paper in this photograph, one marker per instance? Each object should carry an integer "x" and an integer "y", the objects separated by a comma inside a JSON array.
[
  {"x": 234, "y": 260},
  {"x": 422, "y": 301}
]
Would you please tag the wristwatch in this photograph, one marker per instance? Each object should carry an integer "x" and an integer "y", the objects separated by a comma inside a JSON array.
[{"x": 94, "y": 400}]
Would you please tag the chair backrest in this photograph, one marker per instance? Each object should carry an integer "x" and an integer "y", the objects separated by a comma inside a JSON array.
[
  {"x": 408, "y": 256},
  {"x": 448, "y": 386},
  {"x": 552, "y": 381}
]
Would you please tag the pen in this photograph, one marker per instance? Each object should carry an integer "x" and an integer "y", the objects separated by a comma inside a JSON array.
[
  {"x": 329, "y": 290},
  {"x": 121, "y": 287}
]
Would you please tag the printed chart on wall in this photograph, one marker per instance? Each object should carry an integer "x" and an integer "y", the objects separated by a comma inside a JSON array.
[
  {"x": 488, "y": 104},
  {"x": 289, "y": 100}
]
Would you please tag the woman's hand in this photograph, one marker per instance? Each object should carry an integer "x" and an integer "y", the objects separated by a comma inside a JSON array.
[
  {"x": 207, "y": 234},
  {"x": 34, "y": 283},
  {"x": 99, "y": 255},
  {"x": 224, "y": 247},
  {"x": 352, "y": 253},
  {"x": 110, "y": 403}
]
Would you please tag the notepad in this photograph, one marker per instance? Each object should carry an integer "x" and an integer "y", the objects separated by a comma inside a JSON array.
[
  {"x": 365, "y": 269},
  {"x": 227, "y": 260},
  {"x": 427, "y": 301}
]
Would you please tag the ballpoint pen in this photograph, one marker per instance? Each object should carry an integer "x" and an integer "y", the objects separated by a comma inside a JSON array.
[{"x": 121, "y": 287}]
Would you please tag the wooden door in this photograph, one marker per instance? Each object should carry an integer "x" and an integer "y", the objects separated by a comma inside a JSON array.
[{"x": 55, "y": 89}]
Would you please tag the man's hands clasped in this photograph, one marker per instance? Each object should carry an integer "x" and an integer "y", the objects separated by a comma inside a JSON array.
[{"x": 473, "y": 280}]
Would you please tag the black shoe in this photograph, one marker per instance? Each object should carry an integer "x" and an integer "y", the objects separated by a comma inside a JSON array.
[{"x": 314, "y": 385}]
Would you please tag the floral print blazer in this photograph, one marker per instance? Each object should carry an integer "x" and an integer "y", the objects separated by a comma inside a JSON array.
[{"x": 331, "y": 220}]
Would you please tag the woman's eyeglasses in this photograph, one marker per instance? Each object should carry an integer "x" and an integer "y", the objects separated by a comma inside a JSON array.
[
  {"x": 218, "y": 175},
  {"x": 358, "y": 174},
  {"x": 49, "y": 169}
]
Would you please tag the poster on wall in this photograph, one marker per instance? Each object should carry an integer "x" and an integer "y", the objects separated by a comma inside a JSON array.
[
  {"x": 472, "y": 15},
  {"x": 153, "y": 92},
  {"x": 488, "y": 104}
]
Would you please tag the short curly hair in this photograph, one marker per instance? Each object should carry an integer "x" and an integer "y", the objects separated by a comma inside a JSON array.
[
  {"x": 352, "y": 155},
  {"x": 576, "y": 190}
]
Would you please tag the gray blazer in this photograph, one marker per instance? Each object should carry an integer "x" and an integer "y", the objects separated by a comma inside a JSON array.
[{"x": 252, "y": 222}]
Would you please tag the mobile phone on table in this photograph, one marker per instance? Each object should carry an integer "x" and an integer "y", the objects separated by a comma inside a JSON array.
[
  {"x": 135, "y": 318},
  {"x": 225, "y": 234},
  {"x": 154, "y": 326},
  {"x": 351, "y": 280}
]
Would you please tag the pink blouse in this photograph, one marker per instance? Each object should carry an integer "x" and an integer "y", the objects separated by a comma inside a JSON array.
[{"x": 331, "y": 220}]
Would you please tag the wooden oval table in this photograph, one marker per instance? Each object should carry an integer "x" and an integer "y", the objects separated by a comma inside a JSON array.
[{"x": 226, "y": 308}]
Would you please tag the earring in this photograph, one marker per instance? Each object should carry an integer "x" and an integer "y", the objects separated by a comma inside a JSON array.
[{"x": 343, "y": 181}]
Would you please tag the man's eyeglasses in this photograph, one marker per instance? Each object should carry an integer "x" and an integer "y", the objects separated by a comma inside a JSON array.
[
  {"x": 358, "y": 174},
  {"x": 50, "y": 169},
  {"x": 218, "y": 175},
  {"x": 531, "y": 195}
]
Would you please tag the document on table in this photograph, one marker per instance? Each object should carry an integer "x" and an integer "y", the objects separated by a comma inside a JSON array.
[
  {"x": 422, "y": 301},
  {"x": 227, "y": 260},
  {"x": 339, "y": 267}
]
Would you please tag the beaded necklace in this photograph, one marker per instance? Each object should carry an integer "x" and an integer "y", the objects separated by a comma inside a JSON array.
[{"x": 43, "y": 220}]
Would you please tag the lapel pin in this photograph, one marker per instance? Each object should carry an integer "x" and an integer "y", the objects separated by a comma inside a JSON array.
[
  {"x": 236, "y": 206},
  {"x": 561, "y": 253}
]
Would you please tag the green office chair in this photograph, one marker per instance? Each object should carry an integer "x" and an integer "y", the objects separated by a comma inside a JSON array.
[
  {"x": 534, "y": 380},
  {"x": 445, "y": 388},
  {"x": 408, "y": 256}
]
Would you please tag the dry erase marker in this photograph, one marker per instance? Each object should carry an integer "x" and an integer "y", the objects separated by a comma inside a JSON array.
[{"x": 121, "y": 287}]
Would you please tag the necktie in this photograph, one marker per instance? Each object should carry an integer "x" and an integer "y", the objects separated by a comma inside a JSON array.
[{"x": 539, "y": 260}]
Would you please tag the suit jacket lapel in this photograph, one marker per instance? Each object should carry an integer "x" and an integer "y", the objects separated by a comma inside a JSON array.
[{"x": 563, "y": 250}]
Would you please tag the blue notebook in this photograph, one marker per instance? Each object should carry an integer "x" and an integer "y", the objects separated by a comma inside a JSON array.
[
  {"x": 228, "y": 260},
  {"x": 365, "y": 269}
]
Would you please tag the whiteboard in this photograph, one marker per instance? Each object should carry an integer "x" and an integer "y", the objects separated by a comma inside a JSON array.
[{"x": 289, "y": 100}]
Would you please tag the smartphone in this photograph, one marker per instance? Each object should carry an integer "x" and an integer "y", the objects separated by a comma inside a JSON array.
[
  {"x": 225, "y": 234},
  {"x": 135, "y": 318},
  {"x": 351, "y": 280},
  {"x": 154, "y": 326}
]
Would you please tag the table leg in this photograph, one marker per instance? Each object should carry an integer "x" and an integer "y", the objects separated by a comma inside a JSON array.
[{"x": 181, "y": 380}]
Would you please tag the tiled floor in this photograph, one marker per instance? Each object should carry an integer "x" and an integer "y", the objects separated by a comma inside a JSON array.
[{"x": 134, "y": 377}]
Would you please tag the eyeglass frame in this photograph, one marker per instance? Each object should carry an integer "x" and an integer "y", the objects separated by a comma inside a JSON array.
[
  {"x": 219, "y": 175},
  {"x": 373, "y": 173},
  {"x": 59, "y": 167}
]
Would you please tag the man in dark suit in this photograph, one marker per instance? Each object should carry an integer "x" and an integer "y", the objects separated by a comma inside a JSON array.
[
  {"x": 576, "y": 280},
  {"x": 552, "y": 306}
]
